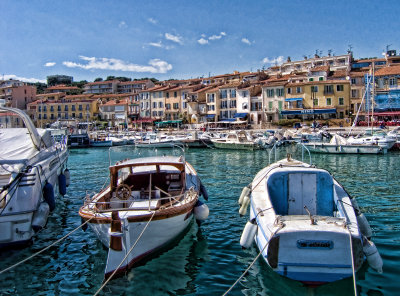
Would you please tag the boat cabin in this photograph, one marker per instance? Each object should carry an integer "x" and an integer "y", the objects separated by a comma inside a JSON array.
[
  {"x": 145, "y": 184},
  {"x": 291, "y": 189}
]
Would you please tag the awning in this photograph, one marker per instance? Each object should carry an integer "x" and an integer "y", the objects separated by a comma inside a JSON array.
[
  {"x": 308, "y": 111},
  {"x": 240, "y": 115},
  {"x": 227, "y": 120},
  {"x": 210, "y": 115},
  {"x": 168, "y": 122},
  {"x": 293, "y": 99}
]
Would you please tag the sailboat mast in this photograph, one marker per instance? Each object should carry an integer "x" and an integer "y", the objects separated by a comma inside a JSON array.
[{"x": 372, "y": 97}]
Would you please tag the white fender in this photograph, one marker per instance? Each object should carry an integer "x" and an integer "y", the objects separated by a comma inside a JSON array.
[
  {"x": 39, "y": 218},
  {"x": 245, "y": 205},
  {"x": 364, "y": 226},
  {"x": 201, "y": 212},
  {"x": 248, "y": 234},
  {"x": 373, "y": 257},
  {"x": 245, "y": 192}
]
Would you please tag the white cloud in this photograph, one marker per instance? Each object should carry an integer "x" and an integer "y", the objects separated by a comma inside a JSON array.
[
  {"x": 214, "y": 37},
  {"x": 155, "y": 65},
  {"x": 151, "y": 20},
  {"x": 174, "y": 38},
  {"x": 223, "y": 33},
  {"x": 49, "y": 64},
  {"x": 202, "y": 41},
  {"x": 122, "y": 25},
  {"x": 30, "y": 80},
  {"x": 156, "y": 44},
  {"x": 247, "y": 41},
  {"x": 279, "y": 60}
]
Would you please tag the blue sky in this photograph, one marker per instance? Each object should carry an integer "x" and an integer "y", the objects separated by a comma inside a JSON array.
[{"x": 184, "y": 39}]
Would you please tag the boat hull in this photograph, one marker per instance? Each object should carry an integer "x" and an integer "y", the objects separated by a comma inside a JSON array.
[
  {"x": 158, "y": 234},
  {"x": 235, "y": 146},
  {"x": 345, "y": 149}
]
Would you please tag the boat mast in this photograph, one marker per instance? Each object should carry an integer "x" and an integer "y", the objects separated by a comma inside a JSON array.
[{"x": 372, "y": 97}]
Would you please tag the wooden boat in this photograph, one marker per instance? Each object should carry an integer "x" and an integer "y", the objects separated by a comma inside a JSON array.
[
  {"x": 238, "y": 140},
  {"x": 32, "y": 170},
  {"x": 150, "y": 201},
  {"x": 305, "y": 224}
]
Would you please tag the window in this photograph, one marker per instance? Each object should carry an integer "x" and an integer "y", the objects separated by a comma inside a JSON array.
[
  {"x": 328, "y": 101},
  {"x": 40, "y": 109},
  {"x": 40, "y": 116},
  {"x": 289, "y": 90},
  {"x": 154, "y": 104},
  {"x": 224, "y": 104},
  {"x": 341, "y": 101},
  {"x": 73, "y": 115},
  {"x": 328, "y": 89},
  {"x": 315, "y": 102},
  {"x": 339, "y": 87},
  {"x": 321, "y": 78},
  {"x": 51, "y": 116},
  {"x": 298, "y": 90},
  {"x": 354, "y": 93},
  {"x": 392, "y": 81},
  {"x": 80, "y": 115},
  {"x": 51, "y": 108},
  {"x": 80, "y": 107},
  {"x": 184, "y": 105},
  {"x": 73, "y": 108},
  {"x": 66, "y": 108},
  {"x": 160, "y": 105},
  {"x": 176, "y": 106},
  {"x": 280, "y": 105},
  {"x": 270, "y": 106},
  {"x": 44, "y": 108},
  {"x": 244, "y": 106},
  {"x": 87, "y": 107},
  {"x": 279, "y": 92},
  {"x": 314, "y": 88},
  {"x": 310, "y": 79},
  {"x": 233, "y": 93},
  {"x": 353, "y": 81},
  {"x": 233, "y": 104},
  {"x": 211, "y": 98},
  {"x": 223, "y": 94},
  {"x": 59, "y": 108},
  {"x": 175, "y": 94},
  {"x": 167, "y": 95},
  {"x": 168, "y": 106},
  {"x": 245, "y": 94},
  {"x": 160, "y": 113},
  {"x": 270, "y": 93}
]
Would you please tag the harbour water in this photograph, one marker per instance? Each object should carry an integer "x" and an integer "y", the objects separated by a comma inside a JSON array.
[{"x": 209, "y": 259}]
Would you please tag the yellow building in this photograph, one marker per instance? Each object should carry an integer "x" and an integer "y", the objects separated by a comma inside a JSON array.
[
  {"x": 317, "y": 99},
  {"x": 78, "y": 107}
]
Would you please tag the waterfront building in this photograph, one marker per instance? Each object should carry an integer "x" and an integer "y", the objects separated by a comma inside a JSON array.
[
  {"x": 17, "y": 94},
  {"x": 48, "y": 109},
  {"x": 273, "y": 96},
  {"x": 212, "y": 104},
  {"x": 228, "y": 102},
  {"x": 317, "y": 100},
  {"x": 197, "y": 104},
  {"x": 249, "y": 102},
  {"x": 115, "y": 112},
  {"x": 157, "y": 101}
]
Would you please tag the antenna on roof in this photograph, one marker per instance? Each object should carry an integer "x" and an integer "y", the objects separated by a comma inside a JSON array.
[
  {"x": 350, "y": 48},
  {"x": 387, "y": 47},
  {"x": 329, "y": 52}
]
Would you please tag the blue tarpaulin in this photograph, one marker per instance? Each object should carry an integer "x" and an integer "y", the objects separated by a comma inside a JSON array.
[
  {"x": 240, "y": 115},
  {"x": 228, "y": 119},
  {"x": 210, "y": 115},
  {"x": 293, "y": 99}
]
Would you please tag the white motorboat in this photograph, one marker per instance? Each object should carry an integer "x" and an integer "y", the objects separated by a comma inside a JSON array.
[
  {"x": 99, "y": 139},
  {"x": 32, "y": 169},
  {"x": 153, "y": 140},
  {"x": 341, "y": 145},
  {"x": 238, "y": 140},
  {"x": 377, "y": 137},
  {"x": 150, "y": 201},
  {"x": 305, "y": 224}
]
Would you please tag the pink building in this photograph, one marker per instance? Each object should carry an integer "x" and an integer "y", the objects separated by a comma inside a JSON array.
[{"x": 16, "y": 93}]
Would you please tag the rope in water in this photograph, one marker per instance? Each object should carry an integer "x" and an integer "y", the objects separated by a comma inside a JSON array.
[
  {"x": 252, "y": 263},
  {"x": 126, "y": 256},
  {"x": 41, "y": 251}
]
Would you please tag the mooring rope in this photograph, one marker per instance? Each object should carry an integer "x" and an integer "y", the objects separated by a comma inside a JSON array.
[
  {"x": 352, "y": 262},
  {"x": 126, "y": 256},
  {"x": 252, "y": 263},
  {"x": 41, "y": 251}
]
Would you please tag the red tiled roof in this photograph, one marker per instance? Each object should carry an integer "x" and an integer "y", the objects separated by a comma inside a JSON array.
[
  {"x": 114, "y": 103},
  {"x": 320, "y": 69},
  {"x": 389, "y": 70},
  {"x": 62, "y": 86}
]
